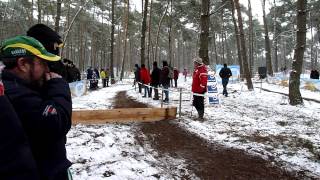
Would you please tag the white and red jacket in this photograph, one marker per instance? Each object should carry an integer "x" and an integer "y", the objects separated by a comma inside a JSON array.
[{"x": 199, "y": 79}]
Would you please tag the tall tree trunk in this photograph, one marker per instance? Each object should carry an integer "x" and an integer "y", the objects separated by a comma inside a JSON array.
[
  {"x": 275, "y": 41},
  {"x": 215, "y": 47},
  {"x": 39, "y": 11},
  {"x": 126, "y": 22},
  {"x": 312, "y": 59},
  {"x": 143, "y": 31},
  {"x": 243, "y": 47},
  {"x": 149, "y": 35},
  {"x": 56, "y": 25},
  {"x": 251, "y": 59},
  {"x": 204, "y": 31},
  {"x": 158, "y": 33},
  {"x": 236, "y": 31},
  {"x": 294, "y": 84},
  {"x": 170, "y": 34},
  {"x": 112, "y": 41},
  {"x": 267, "y": 41}
]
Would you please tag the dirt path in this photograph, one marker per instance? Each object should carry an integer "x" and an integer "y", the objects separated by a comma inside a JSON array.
[{"x": 205, "y": 160}]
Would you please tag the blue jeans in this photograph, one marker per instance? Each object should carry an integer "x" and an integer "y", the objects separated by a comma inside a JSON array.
[
  {"x": 166, "y": 92},
  {"x": 224, "y": 84}
]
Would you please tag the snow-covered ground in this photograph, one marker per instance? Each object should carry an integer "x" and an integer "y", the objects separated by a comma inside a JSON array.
[{"x": 260, "y": 122}]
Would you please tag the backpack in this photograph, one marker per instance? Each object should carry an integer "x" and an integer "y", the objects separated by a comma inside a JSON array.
[{"x": 171, "y": 73}]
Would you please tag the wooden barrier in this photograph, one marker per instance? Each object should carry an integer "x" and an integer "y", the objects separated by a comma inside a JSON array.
[{"x": 123, "y": 115}]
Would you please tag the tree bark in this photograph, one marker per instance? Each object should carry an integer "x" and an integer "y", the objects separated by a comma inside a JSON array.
[
  {"x": 39, "y": 11},
  {"x": 243, "y": 47},
  {"x": 112, "y": 42},
  {"x": 149, "y": 35},
  {"x": 170, "y": 34},
  {"x": 267, "y": 41},
  {"x": 236, "y": 31},
  {"x": 275, "y": 41},
  {"x": 204, "y": 31},
  {"x": 251, "y": 59},
  {"x": 294, "y": 82},
  {"x": 57, "y": 21},
  {"x": 126, "y": 22},
  {"x": 143, "y": 31}
]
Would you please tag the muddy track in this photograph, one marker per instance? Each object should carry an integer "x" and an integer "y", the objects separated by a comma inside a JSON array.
[{"x": 205, "y": 160}]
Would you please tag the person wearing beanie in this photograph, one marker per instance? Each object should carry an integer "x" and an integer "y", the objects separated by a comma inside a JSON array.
[
  {"x": 51, "y": 40},
  {"x": 199, "y": 86},
  {"x": 42, "y": 101}
]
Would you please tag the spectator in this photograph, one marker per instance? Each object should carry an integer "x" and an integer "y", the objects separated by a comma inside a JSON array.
[
  {"x": 225, "y": 74},
  {"x": 42, "y": 101},
  {"x": 16, "y": 159},
  {"x": 73, "y": 73},
  {"x": 103, "y": 77},
  {"x": 176, "y": 76},
  {"x": 91, "y": 76},
  {"x": 155, "y": 80},
  {"x": 314, "y": 74},
  {"x": 185, "y": 73},
  {"x": 199, "y": 85},
  {"x": 52, "y": 42},
  {"x": 165, "y": 80},
  {"x": 107, "y": 76},
  {"x": 137, "y": 78},
  {"x": 145, "y": 79}
]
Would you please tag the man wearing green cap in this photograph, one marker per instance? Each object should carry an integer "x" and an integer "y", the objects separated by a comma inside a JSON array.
[{"x": 42, "y": 101}]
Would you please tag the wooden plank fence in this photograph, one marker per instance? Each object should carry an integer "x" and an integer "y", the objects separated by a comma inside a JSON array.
[{"x": 123, "y": 115}]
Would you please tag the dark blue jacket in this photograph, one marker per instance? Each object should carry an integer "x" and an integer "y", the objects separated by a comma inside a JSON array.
[
  {"x": 46, "y": 118},
  {"x": 16, "y": 159}
]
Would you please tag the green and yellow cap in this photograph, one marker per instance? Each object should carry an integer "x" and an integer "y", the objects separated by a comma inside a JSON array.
[{"x": 21, "y": 46}]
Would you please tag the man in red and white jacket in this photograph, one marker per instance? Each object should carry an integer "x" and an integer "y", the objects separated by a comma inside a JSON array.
[{"x": 199, "y": 85}]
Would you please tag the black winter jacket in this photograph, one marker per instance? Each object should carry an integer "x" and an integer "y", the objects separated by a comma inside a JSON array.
[
  {"x": 16, "y": 159},
  {"x": 164, "y": 76},
  {"x": 46, "y": 119},
  {"x": 225, "y": 72},
  {"x": 155, "y": 76}
]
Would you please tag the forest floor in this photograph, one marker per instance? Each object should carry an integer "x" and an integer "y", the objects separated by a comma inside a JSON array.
[{"x": 203, "y": 159}]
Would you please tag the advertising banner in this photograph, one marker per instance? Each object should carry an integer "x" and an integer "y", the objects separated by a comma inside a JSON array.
[
  {"x": 235, "y": 70},
  {"x": 213, "y": 96}
]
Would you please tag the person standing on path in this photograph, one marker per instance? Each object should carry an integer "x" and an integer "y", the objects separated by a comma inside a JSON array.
[
  {"x": 185, "y": 73},
  {"x": 145, "y": 79},
  {"x": 199, "y": 85},
  {"x": 225, "y": 74},
  {"x": 175, "y": 76},
  {"x": 155, "y": 80},
  {"x": 103, "y": 77},
  {"x": 165, "y": 80},
  {"x": 137, "y": 78}
]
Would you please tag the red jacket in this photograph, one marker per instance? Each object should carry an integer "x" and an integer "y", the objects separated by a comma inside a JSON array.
[
  {"x": 199, "y": 79},
  {"x": 145, "y": 76}
]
